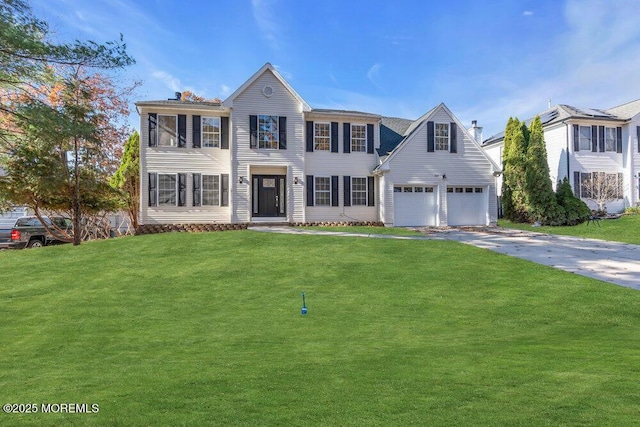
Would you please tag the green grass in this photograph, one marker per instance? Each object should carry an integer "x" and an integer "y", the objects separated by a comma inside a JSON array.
[
  {"x": 395, "y": 231},
  {"x": 625, "y": 229},
  {"x": 205, "y": 329}
]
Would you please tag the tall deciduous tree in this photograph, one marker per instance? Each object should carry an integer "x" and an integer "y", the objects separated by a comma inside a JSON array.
[{"x": 127, "y": 177}]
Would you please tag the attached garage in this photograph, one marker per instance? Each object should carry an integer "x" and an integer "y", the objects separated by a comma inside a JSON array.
[
  {"x": 414, "y": 206},
  {"x": 467, "y": 206}
]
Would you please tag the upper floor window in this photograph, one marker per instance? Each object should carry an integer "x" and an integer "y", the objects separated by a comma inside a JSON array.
[
  {"x": 585, "y": 138},
  {"x": 211, "y": 131},
  {"x": 359, "y": 138},
  {"x": 167, "y": 130},
  {"x": 610, "y": 139},
  {"x": 321, "y": 136},
  {"x": 442, "y": 136},
  {"x": 268, "y": 136}
]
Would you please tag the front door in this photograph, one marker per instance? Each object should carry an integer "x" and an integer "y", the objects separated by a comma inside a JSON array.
[{"x": 269, "y": 195}]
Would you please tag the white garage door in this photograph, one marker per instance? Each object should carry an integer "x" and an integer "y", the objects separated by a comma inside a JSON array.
[
  {"x": 467, "y": 206},
  {"x": 414, "y": 206}
]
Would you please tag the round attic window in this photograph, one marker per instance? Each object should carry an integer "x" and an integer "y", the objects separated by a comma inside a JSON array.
[{"x": 267, "y": 91}]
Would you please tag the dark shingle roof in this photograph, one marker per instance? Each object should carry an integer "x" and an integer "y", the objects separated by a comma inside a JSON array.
[
  {"x": 174, "y": 102},
  {"x": 392, "y": 130},
  {"x": 344, "y": 112}
]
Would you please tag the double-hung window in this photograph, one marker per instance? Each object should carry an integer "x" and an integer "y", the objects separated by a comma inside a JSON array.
[
  {"x": 268, "y": 136},
  {"x": 610, "y": 139},
  {"x": 442, "y": 136},
  {"x": 585, "y": 138},
  {"x": 210, "y": 190},
  {"x": 167, "y": 130},
  {"x": 211, "y": 132},
  {"x": 359, "y": 138},
  {"x": 358, "y": 191},
  {"x": 322, "y": 187},
  {"x": 321, "y": 136},
  {"x": 167, "y": 189}
]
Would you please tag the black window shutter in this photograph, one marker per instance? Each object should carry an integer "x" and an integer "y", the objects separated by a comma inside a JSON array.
[
  {"x": 371, "y": 191},
  {"x": 346, "y": 138},
  {"x": 153, "y": 123},
  {"x": 618, "y": 139},
  {"x": 601, "y": 139},
  {"x": 454, "y": 137},
  {"x": 253, "y": 131},
  {"x": 224, "y": 189},
  {"x": 282, "y": 130},
  {"x": 334, "y": 190},
  {"x": 369, "y": 139},
  {"x": 196, "y": 131},
  {"x": 309, "y": 136},
  {"x": 576, "y": 138},
  {"x": 310, "y": 189},
  {"x": 347, "y": 190},
  {"x": 224, "y": 133},
  {"x": 153, "y": 201},
  {"x": 431, "y": 138},
  {"x": 196, "y": 189},
  {"x": 576, "y": 184},
  {"x": 334, "y": 138},
  {"x": 182, "y": 130},
  {"x": 182, "y": 189},
  {"x": 594, "y": 138}
]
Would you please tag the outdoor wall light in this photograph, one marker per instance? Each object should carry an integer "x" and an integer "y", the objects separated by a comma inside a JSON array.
[
  {"x": 240, "y": 179},
  {"x": 295, "y": 180}
]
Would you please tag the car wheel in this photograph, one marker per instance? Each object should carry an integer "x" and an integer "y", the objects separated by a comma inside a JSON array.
[{"x": 35, "y": 243}]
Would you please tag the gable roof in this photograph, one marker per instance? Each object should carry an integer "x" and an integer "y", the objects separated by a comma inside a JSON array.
[
  {"x": 392, "y": 130},
  {"x": 413, "y": 128},
  {"x": 266, "y": 67},
  {"x": 559, "y": 113},
  {"x": 626, "y": 111}
]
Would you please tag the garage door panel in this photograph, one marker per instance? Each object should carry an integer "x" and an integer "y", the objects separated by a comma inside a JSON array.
[
  {"x": 466, "y": 206},
  {"x": 414, "y": 208}
]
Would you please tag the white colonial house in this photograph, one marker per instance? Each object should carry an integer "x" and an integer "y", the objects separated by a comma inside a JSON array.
[
  {"x": 592, "y": 148},
  {"x": 264, "y": 155}
]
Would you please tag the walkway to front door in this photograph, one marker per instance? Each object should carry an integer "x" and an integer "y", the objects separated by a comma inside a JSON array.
[{"x": 269, "y": 196}]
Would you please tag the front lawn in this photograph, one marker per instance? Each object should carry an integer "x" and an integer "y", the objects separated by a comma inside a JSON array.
[
  {"x": 625, "y": 229},
  {"x": 205, "y": 329}
]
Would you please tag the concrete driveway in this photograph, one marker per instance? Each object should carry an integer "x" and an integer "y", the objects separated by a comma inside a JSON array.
[{"x": 617, "y": 263}]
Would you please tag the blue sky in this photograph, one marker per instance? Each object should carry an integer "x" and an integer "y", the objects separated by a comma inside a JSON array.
[{"x": 485, "y": 60}]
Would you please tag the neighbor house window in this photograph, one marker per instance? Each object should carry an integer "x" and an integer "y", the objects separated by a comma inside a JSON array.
[
  {"x": 322, "y": 136},
  {"x": 211, "y": 131},
  {"x": 359, "y": 138},
  {"x": 167, "y": 131},
  {"x": 585, "y": 138},
  {"x": 442, "y": 136},
  {"x": 359, "y": 191},
  {"x": 210, "y": 190},
  {"x": 601, "y": 185},
  {"x": 610, "y": 139},
  {"x": 167, "y": 189},
  {"x": 268, "y": 132},
  {"x": 322, "y": 188}
]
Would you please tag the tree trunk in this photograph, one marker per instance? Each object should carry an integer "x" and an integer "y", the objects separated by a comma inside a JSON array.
[{"x": 76, "y": 197}]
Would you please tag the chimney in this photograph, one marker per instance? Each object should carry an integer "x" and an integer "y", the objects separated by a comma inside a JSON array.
[
  {"x": 476, "y": 131},
  {"x": 178, "y": 97}
]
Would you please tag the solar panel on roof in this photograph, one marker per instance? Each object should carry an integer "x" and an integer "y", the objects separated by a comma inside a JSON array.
[
  {"x": 548, "y": 116},
  {"x": 594, "y": 113}
]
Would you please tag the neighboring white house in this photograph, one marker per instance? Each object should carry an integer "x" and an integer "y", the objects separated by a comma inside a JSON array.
[
  {"x": 589, "y": 146},
  {"x": 264, "y": 155}
]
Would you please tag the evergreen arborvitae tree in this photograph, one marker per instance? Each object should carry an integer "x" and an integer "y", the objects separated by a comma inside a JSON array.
[
  {"x": 540, "y": 199},
  {"x": 508, "y": 178},
  {"x": 514, "y": 154},
  {"x": 576, "y": 211}
]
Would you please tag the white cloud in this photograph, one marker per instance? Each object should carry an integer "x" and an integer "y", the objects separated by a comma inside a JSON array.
[
  {"x": 286, "y": 74},
  {"x": 527, "y": 13},
  {"x": 263, "y": 14},
  {"x": 169, "y": 81},
  {"x": 373, "y": 74},
  {"x": 225, "y": 90}
]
